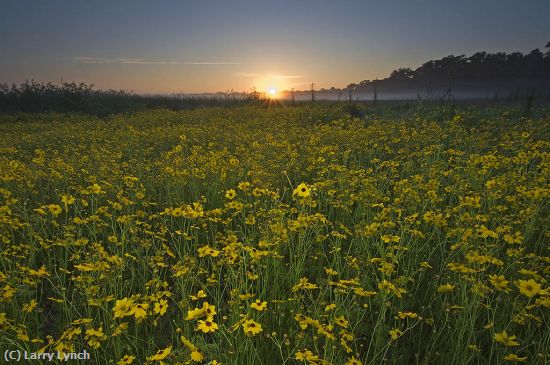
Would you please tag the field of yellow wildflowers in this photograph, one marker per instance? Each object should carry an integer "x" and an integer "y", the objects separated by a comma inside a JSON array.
[{"x": 277, "y": 236}]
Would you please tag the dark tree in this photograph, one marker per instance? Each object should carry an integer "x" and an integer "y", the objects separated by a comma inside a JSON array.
[
  {"x": 402, "y": 74},
  {"x": 482, "y": 68}
]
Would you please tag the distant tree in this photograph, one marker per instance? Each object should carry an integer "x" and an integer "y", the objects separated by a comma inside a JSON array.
[
  {"x": 534, "y": 63},
  {"x": 351, "y": 87},
  {"x": 514, "y": 64},
  {"x": 375, "y": 90},
  {"x": 476, "y": 65},
  {"x": 450, "y": 68},
  {"x": 426, "y": 71},
  {"x": 401, "y": 74}
]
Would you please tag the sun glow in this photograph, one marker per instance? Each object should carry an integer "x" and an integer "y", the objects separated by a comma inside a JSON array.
[{"x": 271, "y": 84}]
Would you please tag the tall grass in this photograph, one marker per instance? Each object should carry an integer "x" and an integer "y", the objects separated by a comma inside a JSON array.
[{"x": 400, "y": 234}]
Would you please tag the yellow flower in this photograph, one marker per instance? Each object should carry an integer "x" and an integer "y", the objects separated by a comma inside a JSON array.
[
  {"x": 403, "y": 315},
  {"x": 95, "y": 337},
  {"x": 363, "y": 293},
  {"x": 55, "y": 209},
  {"x": 29, "y": 307},
  {"x": 529, "y": 288},
  {"x": 425, "y": 265},
  {"x": 306, "y": 355},
  {"x": 196, "y": 356},
  {"x": 64, "y": 348},
  {"x": 199, "y": 295},
  {"x": 304, "y": 284},
  {"x": 389, "y": 238},
  {"x": 506, "y": 340},
  {"x": 139, "y": 310},
  {"x": 194, "y": 314},
  {"x": 160, "y": 307},
  {"x": 330, "y": 307},
  {"x": 95, "y": 189},
  {"x": 75, "y": 331},
  {"x": 161, "y": 354},
  {"x": 341, "y": 321},
  {"x": 230, "y": 194},
  {"x": 353, "y": 361},
  {"x": 244, "y": 185},
  {"x": 127, "y": 359},
  {"x": 209, "y": 309},
  {"x": 40, "y": 211},
  {"x": 302, "y": 191},
  {"x": 207, "y": 326},
  {"x": 474, "y": 348},
  {"x": 122, "y": 307},
  {"x": 207, "y": 251},
  {"x": 499, "y": 282},
  {"x": 445, "y": 288},
  {"x": 258, "y": 305},
  {"x": 188, "y": 343},
  {"x": 250, "y": 327},
  {"x": 67, "y": 200},
  {"x": 515, "y": 358},
  {"x": 395, "y": 333},
  {"x": 120, "y": 329}
]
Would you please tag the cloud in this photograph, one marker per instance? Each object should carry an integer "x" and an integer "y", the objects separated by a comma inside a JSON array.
[
  {"x": 269, "y": 76},
  {"x": 139, "y": 61},
  {"x": 90, "y": 60},
  {"x": 136, "y": 61},
  {"x": 142, "y": 61},
  {"x": 247, "y": 74},
  {"x": 287, "y": 77},
  {"x": 211, "y": 63}
]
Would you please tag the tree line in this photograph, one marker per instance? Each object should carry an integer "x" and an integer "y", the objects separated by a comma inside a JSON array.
[
  {"x": 481, "y": 67},
  {"x": 32, "y": 97}
]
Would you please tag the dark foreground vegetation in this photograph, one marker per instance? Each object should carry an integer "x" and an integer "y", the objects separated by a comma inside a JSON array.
[{"x": 35, "y": 97}]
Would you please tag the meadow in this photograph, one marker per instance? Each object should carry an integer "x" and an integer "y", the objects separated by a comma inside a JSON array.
[{"x": 316, "y": 234}]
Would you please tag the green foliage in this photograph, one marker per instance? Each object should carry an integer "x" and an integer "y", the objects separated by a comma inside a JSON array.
[{"x": 404, "y": 234}]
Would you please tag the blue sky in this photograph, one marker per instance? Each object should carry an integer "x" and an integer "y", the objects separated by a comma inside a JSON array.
[{"x": 185, "y": 46}]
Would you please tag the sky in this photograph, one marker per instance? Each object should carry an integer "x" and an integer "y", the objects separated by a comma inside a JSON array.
[{"x": 164, "y": 46}]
